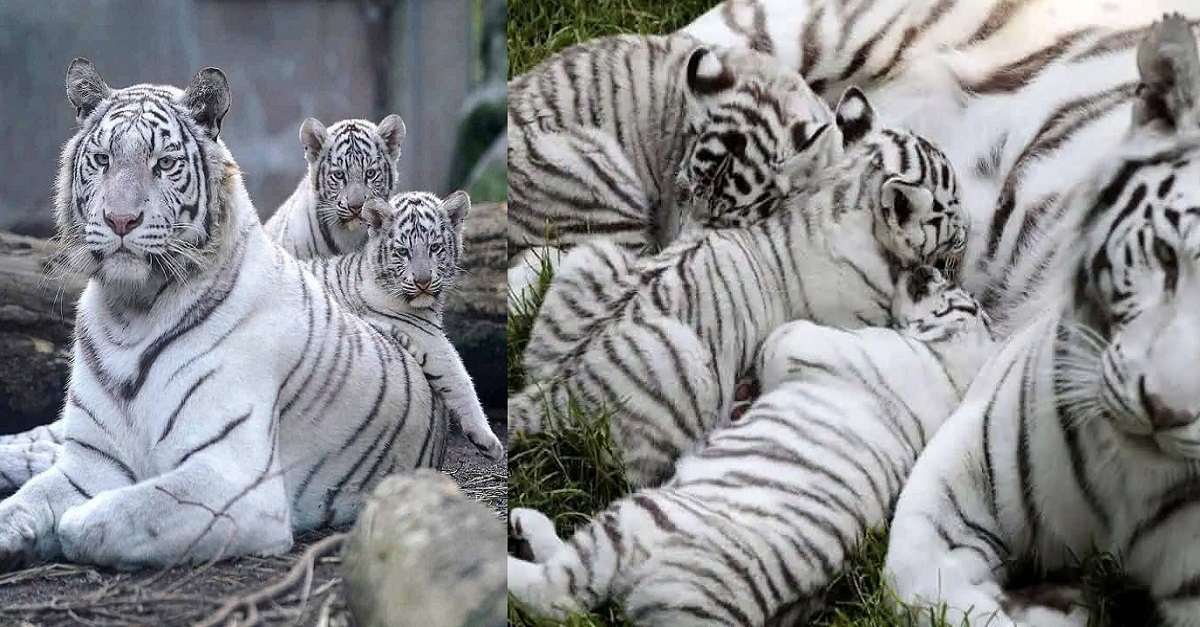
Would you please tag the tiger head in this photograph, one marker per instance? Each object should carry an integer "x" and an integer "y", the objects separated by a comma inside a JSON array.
[
  {"x": 1129, "y": 346},
  {"x": 933, "y": 310},
  {"x": 349, "y": 163},
  {"x": 139, "y": 190},
  {"x": 907, "y": 181},
  {"x": 755, "y": 130},
  {"x": 416, "y": 244}
]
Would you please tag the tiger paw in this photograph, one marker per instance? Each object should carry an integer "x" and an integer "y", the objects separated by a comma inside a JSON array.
[
  {"x": 487, "y": 443},
  {"x": 18, "y": 537},
  {"x": 534, "y": 532},
  {"x": 98, "y": 533}
]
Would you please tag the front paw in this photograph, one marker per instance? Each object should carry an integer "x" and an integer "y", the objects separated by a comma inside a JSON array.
[
  {"x": 18, "y": 537},
  {"x": 95, "y": 533},
  {"x": 487, "y": 443}
]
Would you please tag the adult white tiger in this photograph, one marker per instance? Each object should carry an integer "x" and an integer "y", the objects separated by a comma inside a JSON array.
[
  {"x": 348, "y": 163},
  {"x": 1082, "y": 435},
  {"x": 219, "y": 399},
  {"x": 1021, "y": 95},
  {"x": 665, "y": 347},
  {"x": 814, "y": 464},
  {"x": 604, "y": 136},
  {"x": 399, "y": 280}
]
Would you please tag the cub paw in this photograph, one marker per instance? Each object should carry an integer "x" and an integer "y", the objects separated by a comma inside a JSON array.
[
  {"x": 534, "y": 533},
  {"x": 487, "y": 444},
  {"x": 18, "y": 538}
]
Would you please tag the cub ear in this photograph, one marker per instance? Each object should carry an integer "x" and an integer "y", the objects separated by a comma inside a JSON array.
[
  {"x": 707, "y": 74},
  {"x": 817, "y": 148},
  {"x": 901, "y": 201},
  {"x": 855, "y": 116},
  {"x": 391, "y": 130},
  {"x": 1169, "y": 68},
  {"x": 314, "y": 137},
  {"x": 85, "y": 88},
  {"x": 208, "y": 99},
  {"x": 457, "y": 205},
  {"x": 378, "y": 213}
]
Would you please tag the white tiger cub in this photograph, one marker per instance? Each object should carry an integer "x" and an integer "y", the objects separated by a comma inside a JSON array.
[
  {"x": 1082, "y": 435},
  {"x": 758, "y": 521},
  {"x": 613, "y": 137},
  {"x": 219, "y": 399},
  {"x": 348, "y": 163},
  {"x": 664, "y": 348},
  {"x": 400, "y": 280}
]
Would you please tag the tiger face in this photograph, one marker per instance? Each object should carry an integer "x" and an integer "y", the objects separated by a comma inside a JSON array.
[
  {"x": 755, "y": 131},
  {"x": 1130, "y": 343},
  {"x": 928, "y": 307},
  {"x": 418, "y": 244},
  {"x": 136, "y": 192},
  {"x": 919, "y": 217},
  {"x": 349, "y": 163}
]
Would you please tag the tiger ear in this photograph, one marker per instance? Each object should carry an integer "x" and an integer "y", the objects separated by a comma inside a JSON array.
[
  {"x": 900, "y": 201},
  {"x": 816, "y": 152},
  {"x": 391, "y": 130},
  {"x": 85, "y": 88},
  {"x": 208, "y": 99},
  {"x": 1169, "y": 68},
  {"x": 314, "y": 137},
  {"x": 457, "y": 206},
  {"x": 378, "y": 213},
  {"x": 855, "y": 116},
  {"x": 707, "y": 74}
]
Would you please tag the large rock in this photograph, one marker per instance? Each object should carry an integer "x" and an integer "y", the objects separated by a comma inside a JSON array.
[
  {"x": 422, "y": 553},
  {"x": 476, "y": 314},
  {"x": 37, "y": 313}
]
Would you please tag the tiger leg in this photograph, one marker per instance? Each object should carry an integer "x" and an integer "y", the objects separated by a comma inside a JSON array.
[
  {"x": 535, "y": 530},
  {"x": 21, "y": 462},
  {"x": 53, "y": 432},
  {"x": 448, "y": 376}
]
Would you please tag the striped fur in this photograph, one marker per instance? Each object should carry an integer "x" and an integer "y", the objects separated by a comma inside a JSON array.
[
  {"x": 348, "y": 163},
  {"x": 400, "y": 281},
  {"x": 612, "y": 138},
  {"x": 1083, "y": 435},
  {"x": 1022, "y": 95},
  {"x": 665, "y": 349},
  {"x": 219, "y": 398},
  {"x": 755, "y": 524}
]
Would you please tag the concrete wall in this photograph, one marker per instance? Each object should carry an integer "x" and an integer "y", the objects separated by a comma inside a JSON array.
[{"x": 285, "y": 60}]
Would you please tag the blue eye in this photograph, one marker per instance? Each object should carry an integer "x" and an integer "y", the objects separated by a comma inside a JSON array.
[
  {"x": 371, "y": 174},
  {"x": 338, "y": 175},
  {"x": 101, "y": 159},
  {"x": 166, "y": 163}
]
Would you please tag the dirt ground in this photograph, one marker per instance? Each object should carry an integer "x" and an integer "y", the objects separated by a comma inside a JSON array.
[{"x": 61, "y": 594}]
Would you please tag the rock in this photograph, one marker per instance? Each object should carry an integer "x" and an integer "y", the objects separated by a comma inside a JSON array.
[
  {"x": 422, "y": 553},
  {"x": 476, "y": 314},
  {"x": 37, "y": 313}
]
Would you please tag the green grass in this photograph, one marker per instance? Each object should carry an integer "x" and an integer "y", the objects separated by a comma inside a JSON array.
[
  {"x": 539, "y": 28},
  {"x": 572, "y": 472}
]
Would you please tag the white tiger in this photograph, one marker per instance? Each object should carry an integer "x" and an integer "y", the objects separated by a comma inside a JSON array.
[
  {"x": 1082, "y": 435},
  {"x": 758, "y": 521},
  {"x": 610, "y": 138},
  {"x": 219, "y": 399},
  {"x": 1023, "y": 96},
  {"x": 399, "y": 280},
  {"x": 665, "y": 348},
  {"x": 348, "y": 163}
]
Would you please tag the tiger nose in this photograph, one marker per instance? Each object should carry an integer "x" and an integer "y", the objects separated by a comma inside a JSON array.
[
  {"x": 355, "y": 207},
  {"x": 1161, "y": 413},
  {"x": 919, "y": 282},
  {"x": 122, "y": 223},
  {"x": 422, "y": 284}
]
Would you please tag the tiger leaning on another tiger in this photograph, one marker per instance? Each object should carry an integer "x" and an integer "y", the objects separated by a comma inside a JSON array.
[
  {"x": 663, "y": 344},
  {"x": 754, "y": 524},
  {"x": 172, "y": 413},
  {"x": 611, "y": 138}
]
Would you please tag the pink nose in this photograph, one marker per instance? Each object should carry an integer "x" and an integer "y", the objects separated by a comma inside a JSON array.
[
  {"x": 122, "y": 223},
  {"x": 422, "y": 285},
  {"x": 355, "y": 210}
]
